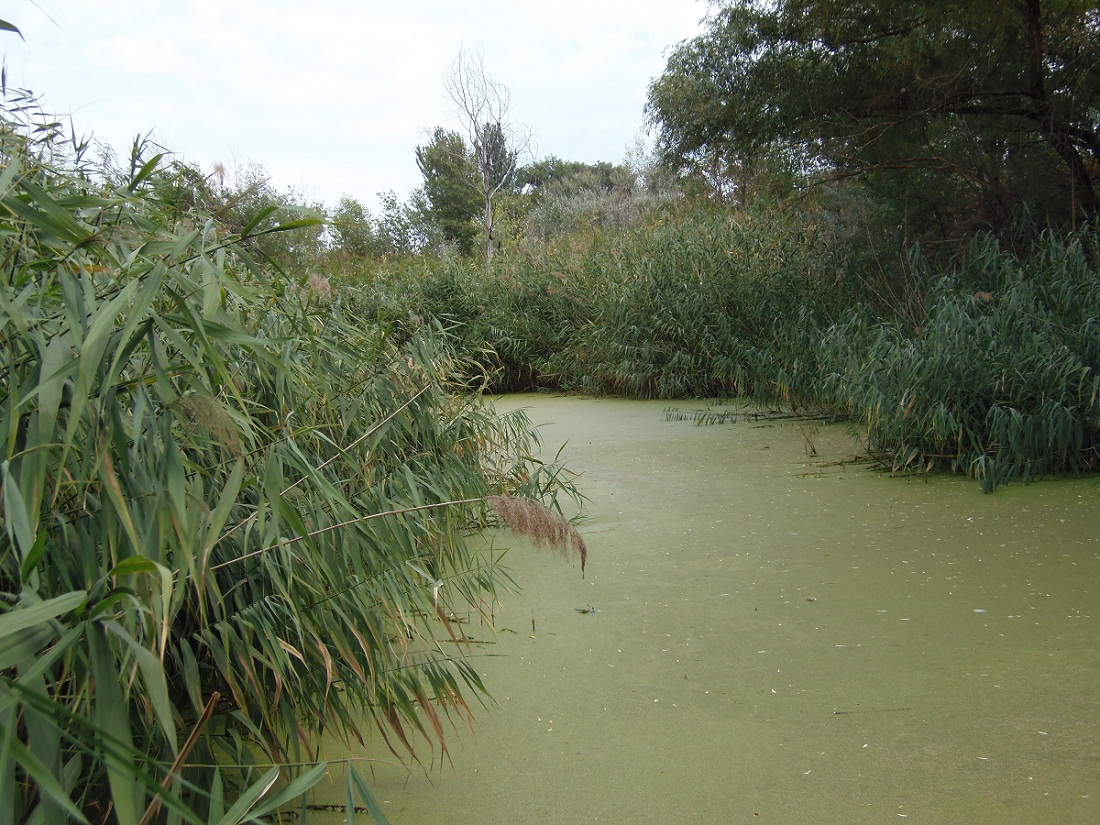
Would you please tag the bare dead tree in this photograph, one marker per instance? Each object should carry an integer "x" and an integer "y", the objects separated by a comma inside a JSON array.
[{"x": 482, "y": 105}]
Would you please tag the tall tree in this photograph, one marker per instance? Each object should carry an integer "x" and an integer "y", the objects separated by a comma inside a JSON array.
[
  {"x": 483, "y": 105},
  {"x": 450, "y": 197},
  {"x": 1001, "y": 98}
]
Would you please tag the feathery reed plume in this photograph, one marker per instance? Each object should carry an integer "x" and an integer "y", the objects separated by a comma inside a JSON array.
[
  {"x": 205, "y": 411},
  {"x": 539, "y": 523}
]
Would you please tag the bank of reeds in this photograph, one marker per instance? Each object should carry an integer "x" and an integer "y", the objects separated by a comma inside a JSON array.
[
  {"x": 233, "y": 517},
  {"x": 693, "y": 304},
  {"x": 988, "y": 367},
  {"x": 1000, "y": 380}
]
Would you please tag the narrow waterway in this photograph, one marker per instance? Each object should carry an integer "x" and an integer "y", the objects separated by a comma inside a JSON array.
[{"x": 776, "y": 638}]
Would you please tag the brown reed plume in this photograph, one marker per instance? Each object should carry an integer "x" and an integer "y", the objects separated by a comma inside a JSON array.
[{"x": 539, "y": 523}]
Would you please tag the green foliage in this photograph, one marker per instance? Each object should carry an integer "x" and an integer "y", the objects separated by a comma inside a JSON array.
[
  {"x": 702, "y": 305},
  {"x": 233, "y": 517},
  {"x": 608, "y": 197},
  {"x": 962, "y": 111},
  {"x": 352, "y": 228},
  {"x": 672, "y": 306},
  {"x": 243, "y": 203},
  {"x": 1001, "y": 380},
  {"x": 538, "y": 177},
  {"x": 451, "y": 196},
  {"x": 494, "y": 157},
  {"x": 356, "y": 237},
  {"x": 989, "y": 368},
  {"x": 396, "y": 230}
]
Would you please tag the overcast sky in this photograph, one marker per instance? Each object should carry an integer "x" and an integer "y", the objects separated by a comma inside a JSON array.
[{"x": 332, "y": 96}]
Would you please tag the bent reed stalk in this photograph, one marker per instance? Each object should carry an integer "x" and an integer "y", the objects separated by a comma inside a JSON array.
[{"x": 525, "y": 516}]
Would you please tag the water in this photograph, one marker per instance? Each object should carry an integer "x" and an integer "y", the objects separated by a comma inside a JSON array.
[{"x": 775, "y": 639}]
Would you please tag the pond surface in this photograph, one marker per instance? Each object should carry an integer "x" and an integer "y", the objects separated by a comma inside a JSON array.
[{"x": 776, "y": 638}]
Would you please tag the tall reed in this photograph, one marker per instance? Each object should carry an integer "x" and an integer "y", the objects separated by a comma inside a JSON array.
[
  {"x": 697, "y": 303},
  {"x": 987, "y": 366},
  {"x": 233, "y": 517},
  {"x": 1000, "y": 381}
]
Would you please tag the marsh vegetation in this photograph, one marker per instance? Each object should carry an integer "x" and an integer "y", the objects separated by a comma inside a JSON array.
[
  {"x": 247, "y": 449},
  {"x": 234, "y": 519}
]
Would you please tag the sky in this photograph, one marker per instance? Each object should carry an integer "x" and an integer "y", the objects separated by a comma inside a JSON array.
[{"x": 333, "y": 96}]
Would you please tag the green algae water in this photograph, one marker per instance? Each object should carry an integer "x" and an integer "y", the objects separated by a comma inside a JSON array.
[{"x": 764, "y": 635}]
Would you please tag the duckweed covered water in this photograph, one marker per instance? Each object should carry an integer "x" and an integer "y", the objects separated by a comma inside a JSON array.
[{"x": 764, "y": 636}]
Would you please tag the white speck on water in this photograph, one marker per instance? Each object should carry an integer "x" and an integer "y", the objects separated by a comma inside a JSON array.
[{"x": 980, "y": 610}]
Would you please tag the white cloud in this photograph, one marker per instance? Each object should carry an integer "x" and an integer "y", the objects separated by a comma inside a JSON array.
[{"x": 333, "y": 97}]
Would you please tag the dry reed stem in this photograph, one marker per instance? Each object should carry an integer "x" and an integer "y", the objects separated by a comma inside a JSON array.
[{"x": 539, "y": 523}]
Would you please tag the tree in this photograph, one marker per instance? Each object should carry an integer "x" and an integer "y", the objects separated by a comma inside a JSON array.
[
  {"x": 352, "y": 228},
  {"x": 989, "y": 105},
  {"x": 449, "y": 198},
  {"x": 356, "y": 232},
  {"x": 394, "y": 229},
  {"x": 540, "y": 177},
  {"x": 482, "y": 105}
]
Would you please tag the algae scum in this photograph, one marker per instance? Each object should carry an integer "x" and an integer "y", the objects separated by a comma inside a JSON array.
[{"x": 765, "y": 636}]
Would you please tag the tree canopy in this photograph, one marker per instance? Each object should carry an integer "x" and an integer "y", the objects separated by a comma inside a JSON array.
[
  {"x": 451, "y": 199},
  {"x": 993, "y": 104},
  {"x": 538, "y": 177}
]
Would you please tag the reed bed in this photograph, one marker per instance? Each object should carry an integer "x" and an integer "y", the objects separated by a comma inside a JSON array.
[
  {"x": 986, "y": 365},
  {"x": 1000, "y": 381},
  {"x": 234, "y": 517}
]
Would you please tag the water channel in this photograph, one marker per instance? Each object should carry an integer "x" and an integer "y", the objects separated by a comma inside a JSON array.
[{"x": 764, "y": 635}]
